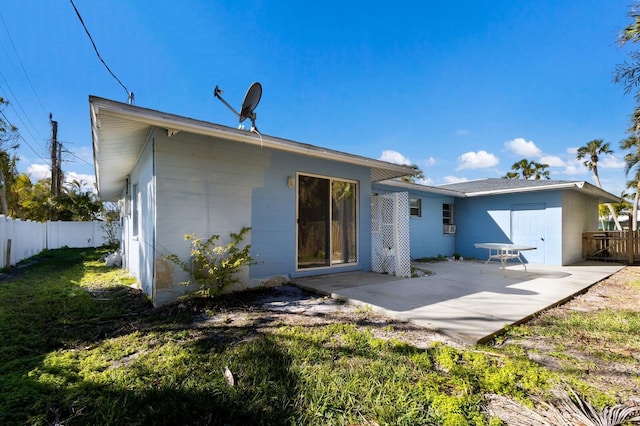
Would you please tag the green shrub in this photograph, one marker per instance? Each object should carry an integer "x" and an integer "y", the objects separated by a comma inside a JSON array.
[{"x": 214, "y": 267}]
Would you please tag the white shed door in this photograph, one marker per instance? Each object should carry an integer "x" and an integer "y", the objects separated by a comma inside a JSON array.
[{"x": 528, "y": 228}]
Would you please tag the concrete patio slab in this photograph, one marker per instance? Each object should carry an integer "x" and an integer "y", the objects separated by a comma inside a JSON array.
[{"x": 467, "y": 300}]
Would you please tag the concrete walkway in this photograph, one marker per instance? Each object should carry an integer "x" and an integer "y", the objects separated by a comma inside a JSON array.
[{"x": 467, "y": 300}]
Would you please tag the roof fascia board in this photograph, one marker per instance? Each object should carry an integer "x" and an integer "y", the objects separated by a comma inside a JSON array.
[
  {"x": 579, "y": 186},
  {"x": 567, "y": 185},
  {"x": 170, "y": 121},
  {"x": 423, "y": 188}
]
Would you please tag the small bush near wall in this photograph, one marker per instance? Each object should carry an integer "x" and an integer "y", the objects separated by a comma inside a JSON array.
[{"x": 214, "y": 267}]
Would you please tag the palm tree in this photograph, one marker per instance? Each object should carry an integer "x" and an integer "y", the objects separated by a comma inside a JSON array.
[
  {"x": 632, "y": 162},
  {"x": 528, "y": 170},
  {"x": 589, "y": 153},
  {"x": 629, "y": 74},
  {"x": 8, "y": 158},
  {"x": 418, "y": 175}
]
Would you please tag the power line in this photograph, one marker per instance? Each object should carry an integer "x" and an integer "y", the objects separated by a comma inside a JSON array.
[
  {"x": 129, "y": 94},
  {"x": 66, "y": 151},
  {"x": 14, "y": 99},
  {"x": 21, "y": 137},
  {"x": 21, "y": 64}
]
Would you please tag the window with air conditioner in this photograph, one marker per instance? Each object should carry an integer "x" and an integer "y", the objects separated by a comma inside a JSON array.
[{"x": 448, "y": 226}]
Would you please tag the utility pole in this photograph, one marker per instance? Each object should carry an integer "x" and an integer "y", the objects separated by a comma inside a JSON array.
[
  {"x": 59, "y": 170},
  {"x": 55, "y": 190}
]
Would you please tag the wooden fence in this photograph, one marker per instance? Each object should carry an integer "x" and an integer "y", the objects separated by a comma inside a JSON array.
[{"x": 612, "y": 246}]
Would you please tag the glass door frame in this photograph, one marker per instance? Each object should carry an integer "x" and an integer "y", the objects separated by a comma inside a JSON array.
[{"x": 331, "y": 179}]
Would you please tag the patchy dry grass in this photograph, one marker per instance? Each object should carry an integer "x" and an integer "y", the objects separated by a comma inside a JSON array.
[{"x": 81, "y": 347}]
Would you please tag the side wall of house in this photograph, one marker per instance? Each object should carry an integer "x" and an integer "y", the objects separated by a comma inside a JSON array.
[
  {"x": 211, "y": 186},
  {"x": 579, "y": 214},
  {"x": 204, "y": 187},
  {"x": 274, "y": 215},
  {"x": 138, "y": 216},
  {"x": 426, "y": 232},
  {"x": 489, "y": 220}
]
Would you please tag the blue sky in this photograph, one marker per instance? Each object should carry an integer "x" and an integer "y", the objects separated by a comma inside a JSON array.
[{"x": 462, "y": 89}]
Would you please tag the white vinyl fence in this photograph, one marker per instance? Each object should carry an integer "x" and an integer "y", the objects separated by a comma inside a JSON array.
[{"x": 21, "y": 239}]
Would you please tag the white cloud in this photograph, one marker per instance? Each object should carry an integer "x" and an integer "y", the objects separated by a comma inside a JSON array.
[
  {"x": 477, "y": 160},
  {"x": 395, "y": 157},
  {"x": 552, "y": 161},
  {"x": 425, "y": 181},
  {"x": 572, "y": 150},
  {"x": 573, "y": 169},
  {"x": 454, "y": 179},
  {"x": 430, "y": 162},
  {"x": 462, "y": 132},
  {"x": 522, "y": 147},
  {"x": 38, "y": 171},
  {"x": 611, "y": 162},
  {"x": 88, "y": 181}
]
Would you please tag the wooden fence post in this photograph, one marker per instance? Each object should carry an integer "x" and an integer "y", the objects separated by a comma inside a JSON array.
[
  {"x": 8, "y": 257},
  {"x": 630, "y": 246}
]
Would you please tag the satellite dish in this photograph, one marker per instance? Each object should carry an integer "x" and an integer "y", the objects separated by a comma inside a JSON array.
[
  {"x": 251, "y": 100},
  {"x": 249, "y": 104}
]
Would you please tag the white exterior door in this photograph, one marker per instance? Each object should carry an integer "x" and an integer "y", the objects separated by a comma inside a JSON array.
[{"x": 528, "y": 228}]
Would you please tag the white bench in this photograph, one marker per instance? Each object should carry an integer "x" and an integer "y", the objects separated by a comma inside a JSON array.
[{"x": 504, "y": 252}]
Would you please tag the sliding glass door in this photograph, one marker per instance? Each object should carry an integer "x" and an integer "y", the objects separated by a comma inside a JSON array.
[{"x": 327, "y": 222}]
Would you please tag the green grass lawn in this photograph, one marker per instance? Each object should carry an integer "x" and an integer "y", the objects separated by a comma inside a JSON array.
[{"x": 78, "y": 346}]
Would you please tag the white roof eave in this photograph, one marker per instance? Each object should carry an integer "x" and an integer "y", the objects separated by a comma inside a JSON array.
[
  {"x": 581, "y": 186},
  {"x": 99, "y": 107}
]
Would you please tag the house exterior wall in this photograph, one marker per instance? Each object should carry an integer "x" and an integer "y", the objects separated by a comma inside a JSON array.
[
  {"x": 488, "y": 219},
  {"x": 139, "y": 198},
  {"x": 274, "y": 215},
  {"x": 579, "y": 214},
  {"x": 206, "y": 186},
  {"x": 426, "y": 236}
]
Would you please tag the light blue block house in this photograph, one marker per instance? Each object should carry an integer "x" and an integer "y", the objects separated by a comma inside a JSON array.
[
  {"x": 547, "y": 214},
  {"x": 308, "y": 207},
  {"x": 427, "y": 206}
]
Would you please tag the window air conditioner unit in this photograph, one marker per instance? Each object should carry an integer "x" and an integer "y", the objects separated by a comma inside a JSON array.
[{"x": 449, "y": 229}]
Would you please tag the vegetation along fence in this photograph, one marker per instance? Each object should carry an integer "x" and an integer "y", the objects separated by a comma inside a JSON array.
[
  {"x": 612, "y": 246},
  {"x": 22, "y": 239}
]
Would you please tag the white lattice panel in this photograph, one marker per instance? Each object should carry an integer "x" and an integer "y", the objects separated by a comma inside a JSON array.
[{"x": 390, "y": 248}]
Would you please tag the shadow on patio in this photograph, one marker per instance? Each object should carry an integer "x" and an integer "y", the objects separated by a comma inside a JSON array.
[{"x": 467, "y": 300}]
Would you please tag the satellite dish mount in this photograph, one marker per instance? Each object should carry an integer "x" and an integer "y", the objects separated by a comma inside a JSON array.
[{"x": 249, "y": 104}]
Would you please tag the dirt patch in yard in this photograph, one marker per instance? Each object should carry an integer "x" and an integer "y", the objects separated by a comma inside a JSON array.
[
  {"x": 262, "y": 310},
  {"x": 610, "y": 367}
]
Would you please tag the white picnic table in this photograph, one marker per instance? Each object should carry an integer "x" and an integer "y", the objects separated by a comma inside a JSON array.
[{"x": 504, "y": 252}]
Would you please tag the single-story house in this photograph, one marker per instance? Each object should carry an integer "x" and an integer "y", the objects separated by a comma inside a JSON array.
[
  {"x": 550, "y": 215},
  {"x": 311, "y": 210}
]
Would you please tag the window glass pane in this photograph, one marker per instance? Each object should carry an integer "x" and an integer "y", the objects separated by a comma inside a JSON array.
[
  {"x": 343, "y": 222},
  {"x": 313, "y": 218},
  {"x": 415, "y": 207},
  {"x": 327, "y": 222},
  {"x": 134, "y": 209},
  {"x": 447, "y": 214}
]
